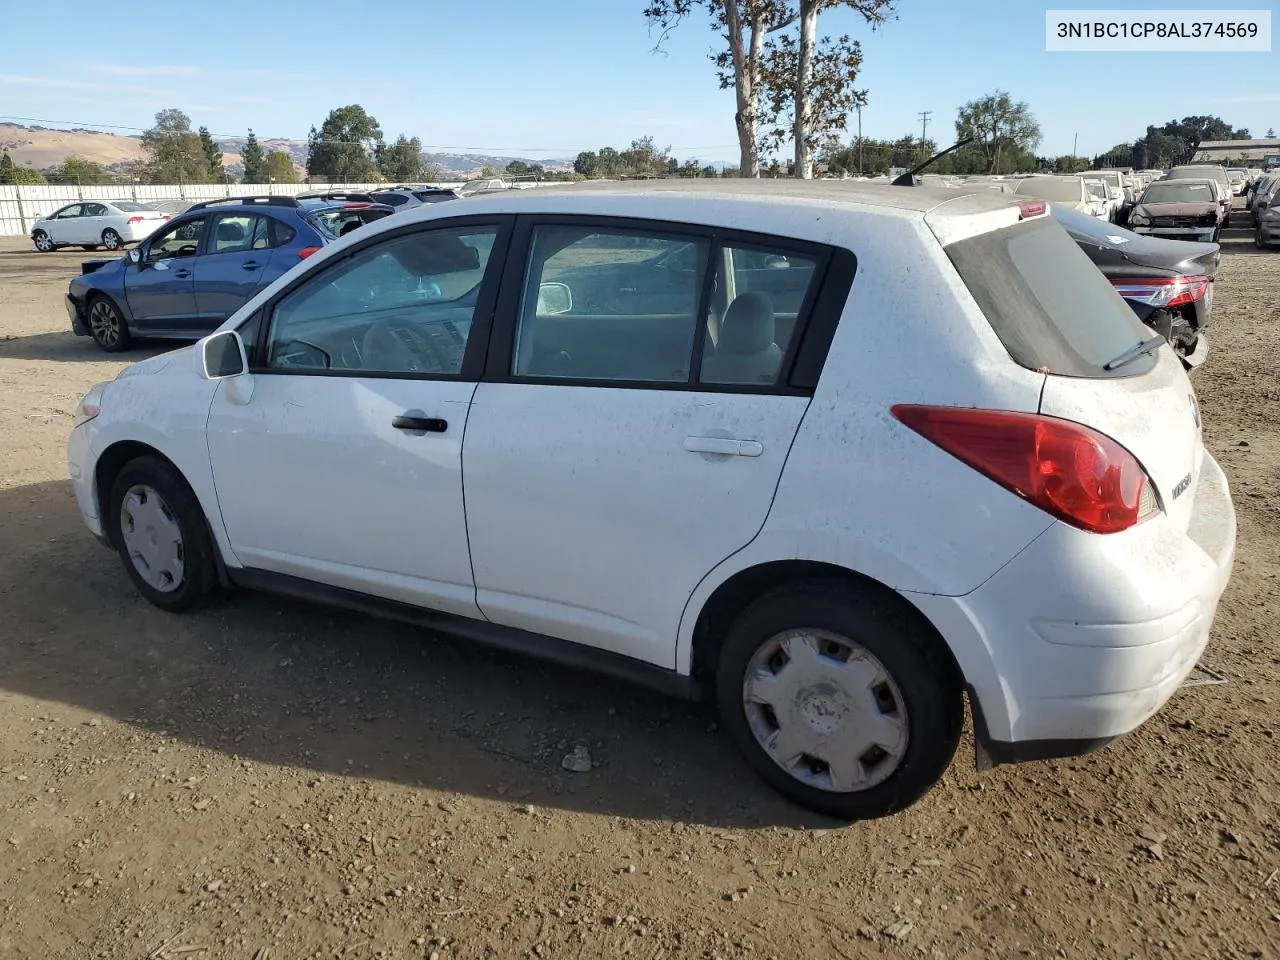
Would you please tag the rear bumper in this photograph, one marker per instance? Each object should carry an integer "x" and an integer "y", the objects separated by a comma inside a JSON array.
[{"x": 1082, "y": 637}]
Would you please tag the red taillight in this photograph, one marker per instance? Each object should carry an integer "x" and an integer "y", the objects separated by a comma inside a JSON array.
[
  {"x": 356, "y": 206},
  {"x": 135, "y": 219},
  {"x": 166, "y": 216},
  {"x": 1162, "y": 291},
  {"x": 1031, "y": 208},
  {"x": 307, "y": 251},
  {"x": 1066, "y": 469}
]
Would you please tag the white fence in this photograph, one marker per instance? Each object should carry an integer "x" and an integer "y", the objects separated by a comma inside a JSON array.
[{"x": 20, "y": 207}]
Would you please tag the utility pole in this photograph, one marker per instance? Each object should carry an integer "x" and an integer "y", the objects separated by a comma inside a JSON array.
[
  {"x": 924, "y": 124},
  {"x": 1075, "y": 138},
  {"x": 859, "y": 109}
]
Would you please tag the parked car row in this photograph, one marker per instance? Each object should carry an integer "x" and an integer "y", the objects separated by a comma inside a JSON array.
[
  {"x": 1166, "y": 280},
  {"x": 701, "y": 435}
]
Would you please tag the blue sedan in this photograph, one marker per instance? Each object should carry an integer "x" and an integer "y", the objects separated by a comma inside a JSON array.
[{"x": 188, "y": 277}]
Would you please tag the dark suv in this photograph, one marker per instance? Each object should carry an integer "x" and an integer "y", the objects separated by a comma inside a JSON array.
[{"x": 189, "y": 276}]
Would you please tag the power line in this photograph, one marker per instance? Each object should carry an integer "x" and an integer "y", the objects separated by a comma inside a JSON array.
[{"x": 86, "y": 125}]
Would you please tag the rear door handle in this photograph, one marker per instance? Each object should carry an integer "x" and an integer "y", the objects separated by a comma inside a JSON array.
[
  {"x": 251, "y": 265},
  {"x": 726, "y": 447},
  {"x": 420, "y": 424}
]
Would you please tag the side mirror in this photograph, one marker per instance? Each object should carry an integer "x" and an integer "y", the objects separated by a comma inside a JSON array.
[
  {"x": 135, "y": 255},
  {"x": 554, "y": 299},
  {"x": 222, "y": 355}
]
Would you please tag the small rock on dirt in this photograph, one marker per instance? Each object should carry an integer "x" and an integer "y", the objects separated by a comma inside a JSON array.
[
  {"x": 1152, "y": 836},
  {"x": 577, "y": 760},
  {"x": 899, "y": 929}
]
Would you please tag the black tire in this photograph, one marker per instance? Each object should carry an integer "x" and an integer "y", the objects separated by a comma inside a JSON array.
[
  {"x": 199, "y": 581},
  {"x": 107, "y": 326},
  {"x": 1259, "y": 240},
  {"x": 88, "y": 246},
  {"x": 43, "y": 242},
  {"x": 111, "y": 240},
  {"x": 911, "y": 654}
]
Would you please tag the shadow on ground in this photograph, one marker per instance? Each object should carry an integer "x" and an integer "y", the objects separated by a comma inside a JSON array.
[
  {"x": 66, "y": 346},
  {"x": 291, "y": 684}
]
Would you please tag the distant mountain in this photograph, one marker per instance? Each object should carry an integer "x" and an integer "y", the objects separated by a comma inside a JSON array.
[{"x": 42, "y": 147}]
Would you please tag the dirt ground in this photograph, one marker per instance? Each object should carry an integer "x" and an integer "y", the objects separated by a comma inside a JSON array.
[{"x": 276, "y": 781}]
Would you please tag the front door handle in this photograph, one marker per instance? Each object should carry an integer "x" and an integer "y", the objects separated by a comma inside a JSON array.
[
  {"x": 251, "y": 265},
  {"x": 724, "y": 446},
  {"x": 182, "y": 274},
  {"x": 420, "y": 424}
]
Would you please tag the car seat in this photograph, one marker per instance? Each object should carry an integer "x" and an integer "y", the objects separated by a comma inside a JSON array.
[{"x": 746, "y": 351}]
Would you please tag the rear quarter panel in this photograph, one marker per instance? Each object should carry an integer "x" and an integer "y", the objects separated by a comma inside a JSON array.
[{"x": 865, "y": 493}]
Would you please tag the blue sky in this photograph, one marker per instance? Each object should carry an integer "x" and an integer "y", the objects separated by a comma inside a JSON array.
[{"x": 550, "y": 78}]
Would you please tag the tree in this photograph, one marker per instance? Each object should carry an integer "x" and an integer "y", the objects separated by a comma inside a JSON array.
[
  {"x": 824, "y": 75},
  {"x": 587, "y": 163},
  {"x": 17, "y": 175},
  {"x": 344, "y": 146},
  {"x": 402, "y": 161},
  {"x": 212, "y": 154},
  {"x": 1271, "y": 131},
  {"x": 253, "y": 160},
  {"x": 1070, "y": 164},
  {"x": 79, "y": 170},
  {"x": 644, "y": 159},
  {"x": 997, "y": 124},
  {"x": 521, "y": 168},
  {"x": 174, "y": 152},
  {"x": 807, "y": 79},
  {"x": 278, "y": 167}
]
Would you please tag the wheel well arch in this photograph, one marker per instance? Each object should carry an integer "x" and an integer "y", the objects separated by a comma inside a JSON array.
[
  {"x": 728, "y": 599},
  {"x": 111, "y": 462}
]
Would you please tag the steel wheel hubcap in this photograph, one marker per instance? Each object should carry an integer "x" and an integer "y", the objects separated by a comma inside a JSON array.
[
  {"x": 825, "y": 710},
  {"x": 152, "y": 538},
  {"x": 104, "y": 323}
]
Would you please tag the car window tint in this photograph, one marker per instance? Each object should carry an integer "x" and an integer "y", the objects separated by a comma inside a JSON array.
[
  {"x": 759, "y": 294},
  {"x": 94, "y": 210},
  {"x": 69, "y": 212},
  {"x": 1047, "y": 302},
  {"x": 609, "y": 305},
  {"x": 179, "y": 240},
  {"x": 402, "y": 306},
  {"x": 269, "y": 233},
  {"x": 234, "y": 233}
]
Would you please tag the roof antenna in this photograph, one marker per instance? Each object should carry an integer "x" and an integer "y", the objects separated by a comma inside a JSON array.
[{"x": 908, "y": 179}]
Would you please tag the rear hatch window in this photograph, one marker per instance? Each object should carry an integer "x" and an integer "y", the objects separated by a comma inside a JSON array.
[{"x": 1049, "y": 305}]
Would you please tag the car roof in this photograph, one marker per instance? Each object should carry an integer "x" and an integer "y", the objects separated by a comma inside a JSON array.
[{"x": 593, "y": 197}]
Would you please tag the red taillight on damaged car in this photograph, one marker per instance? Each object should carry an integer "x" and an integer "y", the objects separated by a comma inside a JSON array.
[
  {"x": 132, "y": 220},
  {"x": 307, "y": 251},
  {"x": 1162, "y": 291},
  {"x": 1066, "y": 469}
]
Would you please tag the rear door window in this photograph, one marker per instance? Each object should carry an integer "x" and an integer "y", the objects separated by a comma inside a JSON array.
[{"x": 1047, "y": 302}]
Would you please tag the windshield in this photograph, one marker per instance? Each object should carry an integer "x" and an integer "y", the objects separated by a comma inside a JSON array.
[
  {"x": 1197, "y": 173},
  {"x": 1096, "y": 189},
  {"x": 336, "y": 221},
  {"x": 1050, "y": 188},
  {"x": 128, "y": 206},
  {"x": 1047, "y": 302},
  {"x": 1178, "y": 193}
]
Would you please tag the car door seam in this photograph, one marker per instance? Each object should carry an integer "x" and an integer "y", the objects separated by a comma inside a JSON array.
[
  {"x": 675, "y": 650},
  {"x": 466, "y": 513}
]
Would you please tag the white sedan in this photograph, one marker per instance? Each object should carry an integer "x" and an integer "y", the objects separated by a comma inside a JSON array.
[
  {"x": 662, "y": 431},
  {"x": 96, "y": 223}
]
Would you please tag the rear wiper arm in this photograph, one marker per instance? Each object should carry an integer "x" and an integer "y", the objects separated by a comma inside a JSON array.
[{"x": 1134, "y": 352}]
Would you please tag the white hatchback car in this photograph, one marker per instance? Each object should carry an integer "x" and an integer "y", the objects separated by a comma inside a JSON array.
[
  {"x": 97, "y": 223},
  {"x": 835, "y": 453}
]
